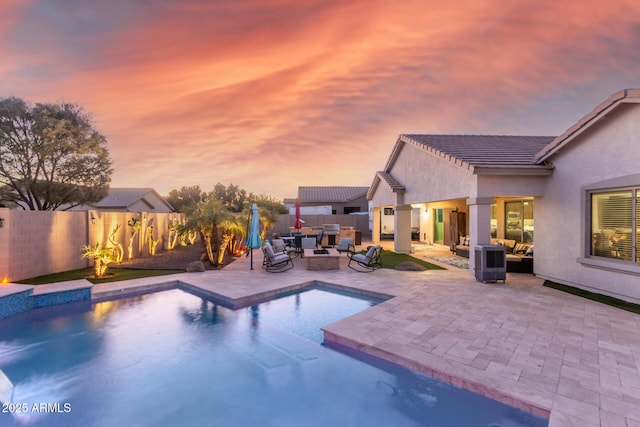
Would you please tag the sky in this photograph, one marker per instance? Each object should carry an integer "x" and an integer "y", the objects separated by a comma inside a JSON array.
[{"x": 275, "y": 94}]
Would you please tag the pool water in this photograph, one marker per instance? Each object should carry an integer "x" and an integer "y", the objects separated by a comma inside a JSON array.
[{"x": 175, "y": 359}]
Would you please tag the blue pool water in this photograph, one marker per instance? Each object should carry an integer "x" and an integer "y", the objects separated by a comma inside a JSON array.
[{"x": 175, "y": 359}]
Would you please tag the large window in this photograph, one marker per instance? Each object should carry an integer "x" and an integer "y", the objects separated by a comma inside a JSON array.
[
  {"x": 615, "y": 222},
  {"x": 519, "y": 221}
]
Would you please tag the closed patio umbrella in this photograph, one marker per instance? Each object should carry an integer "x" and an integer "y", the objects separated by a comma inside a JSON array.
[
  {"x": 298, "y": 224},
  {"x": 253, "y": 239}
]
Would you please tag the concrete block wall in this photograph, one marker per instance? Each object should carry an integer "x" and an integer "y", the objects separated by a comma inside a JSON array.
[
  {"x": 35, "y": 243},
  {"x": 43, "y": 242}
]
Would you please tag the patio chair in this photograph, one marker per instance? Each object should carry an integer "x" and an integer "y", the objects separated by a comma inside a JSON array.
[
  {"x": 367, "y": 262},
  {"x": 297, "y": 242},
  {"x": 279, "y": 245},
  {"x": 346, "y": 245},
  {"x": 275, "y": 262},
  {"x": 308, "y": 243}
]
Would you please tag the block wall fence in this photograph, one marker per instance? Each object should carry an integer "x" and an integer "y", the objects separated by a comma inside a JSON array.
[{"x": 34, "y": 243}]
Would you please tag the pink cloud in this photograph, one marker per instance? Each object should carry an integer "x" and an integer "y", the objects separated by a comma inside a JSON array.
[{"x": 256, "y": 93}]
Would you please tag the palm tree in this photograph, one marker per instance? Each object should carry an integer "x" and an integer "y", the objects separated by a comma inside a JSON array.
[
  {"x": 229, "y": 229},
  {"x": 215, "y": 224},
  {"x": 267, "y": 217}
]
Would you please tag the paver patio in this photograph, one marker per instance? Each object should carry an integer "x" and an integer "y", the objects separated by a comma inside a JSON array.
[{"x": 544, "y": 351}]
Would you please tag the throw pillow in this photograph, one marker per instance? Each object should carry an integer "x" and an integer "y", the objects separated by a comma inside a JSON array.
[
  {"x": 529, "y": 251},
  {"x": 520, "y": 248}
]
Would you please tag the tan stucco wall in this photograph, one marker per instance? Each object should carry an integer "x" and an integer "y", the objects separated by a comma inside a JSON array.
[
  {"x": 34, "y": 243},
  {"x": 429, "y": 178},
  {"x": 609, "y": 150},
  {"x": 510, "y": 186}
]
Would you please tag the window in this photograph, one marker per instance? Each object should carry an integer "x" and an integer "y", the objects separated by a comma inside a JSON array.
[
  {"x": 494, "y": 221},
  {"x": 519, "y": 221},
  {"x": 615, "y": 221}
]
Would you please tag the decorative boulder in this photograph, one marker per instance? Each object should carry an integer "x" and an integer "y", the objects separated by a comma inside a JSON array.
[
  {"x": 195, "y": 267},
  {"x": 410, "y": 266}
]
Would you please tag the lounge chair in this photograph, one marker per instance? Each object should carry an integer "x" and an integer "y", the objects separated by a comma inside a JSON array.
[
  {"x": 367, "y": 262},
  {"x": 275, "y": 262},
  {"x": 346, "y": 245}
]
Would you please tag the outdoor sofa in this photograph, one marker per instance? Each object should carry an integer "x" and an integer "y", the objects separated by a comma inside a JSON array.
[{"x": 519, "y": 255}]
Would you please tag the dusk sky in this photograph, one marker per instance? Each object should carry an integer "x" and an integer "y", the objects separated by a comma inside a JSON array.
[{"x": 275, "y": 94}]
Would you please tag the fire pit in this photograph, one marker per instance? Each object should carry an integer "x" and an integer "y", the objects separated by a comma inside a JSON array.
[{"x": 322, "y": 259}]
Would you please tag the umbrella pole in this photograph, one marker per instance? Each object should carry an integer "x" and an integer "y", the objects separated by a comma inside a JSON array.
[{"x": 251, "y": 258}]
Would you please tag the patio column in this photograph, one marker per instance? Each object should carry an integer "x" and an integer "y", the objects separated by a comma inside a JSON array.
[
  {"x": 479, "y": 225},
  {"x": 375, "y": 230},
  {"x": 402, "y": 226}
]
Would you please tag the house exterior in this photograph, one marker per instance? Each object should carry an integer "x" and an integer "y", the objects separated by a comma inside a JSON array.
[
  {"x": 335, "y": 200},
  {"x": 130, "y": 200},
  {"x": 575, "y": 197}
]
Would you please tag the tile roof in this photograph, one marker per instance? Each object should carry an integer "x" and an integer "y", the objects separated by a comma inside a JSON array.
[
  {"x": 125, "y": 197},
  {"x": 382, "y": 176},
  {"x": 330, "y": 194},
  {"x": 483, "y": 150},
  {"x": 391, "y": 181}
]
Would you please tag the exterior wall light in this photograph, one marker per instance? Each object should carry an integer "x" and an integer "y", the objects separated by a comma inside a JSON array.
[
  {"x": 93, "y": 219},
  {"x": 1, "y": 222}
]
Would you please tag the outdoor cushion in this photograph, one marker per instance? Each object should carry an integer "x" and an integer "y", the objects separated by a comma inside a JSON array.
[
  {"x": 279, "y": 257},
  {"x": 269, "y": 250},
  {"x": 371, "y": 252},
  {"x": 520, "y": 248},
  {"x": 361, "y": 258}
]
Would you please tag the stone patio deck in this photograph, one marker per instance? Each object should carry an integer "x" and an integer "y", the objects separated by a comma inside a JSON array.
[{"x": 541, "y": 350}]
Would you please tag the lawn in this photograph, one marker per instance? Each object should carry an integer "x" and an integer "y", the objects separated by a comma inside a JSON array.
[
  {"x": 605, "y": 299},
  {"x": 390, "y": 259},
  {"x": 113, "y": 275}
]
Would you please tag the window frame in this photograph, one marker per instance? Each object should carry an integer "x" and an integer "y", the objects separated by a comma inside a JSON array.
[{"x": 625, "y": 183}]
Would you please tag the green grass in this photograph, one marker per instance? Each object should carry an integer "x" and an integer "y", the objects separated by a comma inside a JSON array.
[
  {"x": 114, "y": 274},
  {"x": 604, "y": 299},
  {"x": 390, "y": 259}
]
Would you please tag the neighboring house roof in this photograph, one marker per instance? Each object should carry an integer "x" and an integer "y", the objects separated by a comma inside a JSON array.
[
  {"x": 330, "y": 194},
  {"x": 122, "y": 198},
  {"x": 625, "y": 96}
]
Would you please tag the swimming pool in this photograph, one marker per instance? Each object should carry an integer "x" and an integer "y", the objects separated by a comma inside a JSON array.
[{"x": 173, "y": 358}]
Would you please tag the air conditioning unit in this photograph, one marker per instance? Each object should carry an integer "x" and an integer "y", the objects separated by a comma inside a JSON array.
[{"x": 491, "y": 263}]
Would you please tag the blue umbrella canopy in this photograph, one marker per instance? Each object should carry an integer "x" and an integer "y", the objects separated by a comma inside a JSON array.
[{"x": 253, "y": 239}]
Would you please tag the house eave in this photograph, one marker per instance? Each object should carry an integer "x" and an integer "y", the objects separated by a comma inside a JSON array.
[{"x": 533, "y": 170}]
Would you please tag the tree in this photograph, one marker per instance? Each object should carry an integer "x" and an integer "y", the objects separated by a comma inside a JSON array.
[
  {"x": 215, "y": 224},
  {"x": 186, "y": 196},
  {"x": 51, "y": 157},
  {"x": 232, "y": 196},
  {"x": 101, "y": 257}
]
